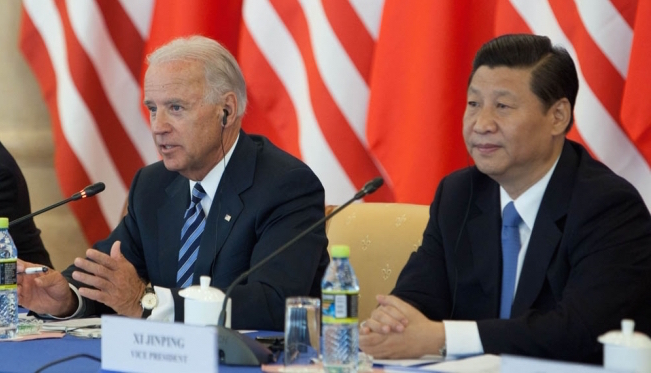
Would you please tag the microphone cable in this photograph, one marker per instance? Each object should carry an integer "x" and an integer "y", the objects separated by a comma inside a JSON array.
[
  {"x": 220, "y": 188},
  {"x": 68, "y": 358}
]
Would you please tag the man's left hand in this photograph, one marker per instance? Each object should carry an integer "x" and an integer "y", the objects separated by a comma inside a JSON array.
[
  {"x": 419, "y": 337},
  {"x": 114, "y": 278}
]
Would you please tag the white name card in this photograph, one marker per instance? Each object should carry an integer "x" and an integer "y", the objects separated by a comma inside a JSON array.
[{"x": 135, "y": 345}]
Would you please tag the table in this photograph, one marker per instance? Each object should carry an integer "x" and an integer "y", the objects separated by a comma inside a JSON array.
[{"x": 28, "y": 356}]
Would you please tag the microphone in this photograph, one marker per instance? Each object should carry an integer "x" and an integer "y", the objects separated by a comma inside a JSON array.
[
  {"x": 368, "y": 188},
  {"x": 238, "y": 349},
  {"x": 88, "y": 191}
]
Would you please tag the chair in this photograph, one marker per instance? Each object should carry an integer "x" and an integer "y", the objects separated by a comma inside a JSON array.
[{"x": 381, "y": 236}]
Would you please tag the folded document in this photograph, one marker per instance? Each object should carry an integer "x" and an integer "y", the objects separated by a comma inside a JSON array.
[{"x": 85, "y": 328}]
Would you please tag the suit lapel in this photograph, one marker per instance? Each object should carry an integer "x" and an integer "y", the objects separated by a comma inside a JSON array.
[
  {"x": 227, "y": 205},
  {"x": 547, "y": 232},
  {"x": 170, "y": 218},
  {"x": 484, "y": 234}
]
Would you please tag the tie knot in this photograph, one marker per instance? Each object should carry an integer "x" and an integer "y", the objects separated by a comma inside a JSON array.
[
  {"x": 197, "y": 193},
  {"x": 510, "y": 216}
]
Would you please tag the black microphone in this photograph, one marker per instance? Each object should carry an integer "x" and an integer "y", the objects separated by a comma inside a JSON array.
[
  {"x": 367, "y": 189},
  {"x": 88, "y": 191},
  {"x": 238, "y": 349}
]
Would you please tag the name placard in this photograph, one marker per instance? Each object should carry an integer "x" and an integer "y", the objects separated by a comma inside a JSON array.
[{"x": 134, "y": 345}]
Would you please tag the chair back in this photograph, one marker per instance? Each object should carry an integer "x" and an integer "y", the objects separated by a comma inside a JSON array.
[{"x": 381, "y": 237}]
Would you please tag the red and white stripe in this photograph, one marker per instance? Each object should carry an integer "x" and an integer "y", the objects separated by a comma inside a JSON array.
[
  {"x": 95, "y": 97},
  {"x": 356, "y": 88},
  {"x": 323, "y": 68},
  {"x": 599, "y": 40}
]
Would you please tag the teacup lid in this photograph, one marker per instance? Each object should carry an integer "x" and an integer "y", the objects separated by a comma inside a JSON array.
[
  {"x": 203, "y": 292},
  {"x": 626, "y": 337}
]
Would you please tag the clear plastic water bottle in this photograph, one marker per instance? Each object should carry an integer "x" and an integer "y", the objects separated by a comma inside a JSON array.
[
  {"x": 8, "y": 289},
  {"x": 339, "y": 292}
]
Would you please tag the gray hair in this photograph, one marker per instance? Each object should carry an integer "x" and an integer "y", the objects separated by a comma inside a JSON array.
[{"x": 221, "y": 70}]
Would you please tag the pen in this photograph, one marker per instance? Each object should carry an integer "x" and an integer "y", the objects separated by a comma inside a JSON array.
[{"x": 32, "y": 270}]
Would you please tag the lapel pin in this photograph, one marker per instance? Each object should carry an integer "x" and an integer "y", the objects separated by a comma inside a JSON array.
[{"x": 227, "y": 217}]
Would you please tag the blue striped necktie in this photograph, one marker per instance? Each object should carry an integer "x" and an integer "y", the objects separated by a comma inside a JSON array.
[
  {"x": 510, "y": 250},
  {"x": 195, "y": 221}
]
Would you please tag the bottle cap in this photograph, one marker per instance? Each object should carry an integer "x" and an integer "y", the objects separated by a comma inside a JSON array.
[
  {"x": 340, "y": 251},
  {"x": 4, "y": 223}
]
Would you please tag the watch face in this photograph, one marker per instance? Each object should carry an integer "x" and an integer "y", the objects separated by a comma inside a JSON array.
[{"x": 149, "y": 301}]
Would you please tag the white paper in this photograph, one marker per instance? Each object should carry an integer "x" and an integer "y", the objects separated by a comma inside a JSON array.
[
  {"x": 493, "y": 364},
  {"x": 476, "y": 364},
  {"x": 71, "y": 324},
  {"x": 427, "y": 359},
  {"x": 517, "y": 364}
]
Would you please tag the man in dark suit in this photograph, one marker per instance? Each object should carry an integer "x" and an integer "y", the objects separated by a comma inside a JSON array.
[
  {"x": 14, "y": 203},
  {"x": 219, "y": 202},
  {"x": 537, "y": 249}
]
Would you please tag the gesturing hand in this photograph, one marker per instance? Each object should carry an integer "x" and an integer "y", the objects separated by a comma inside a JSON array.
[
  {"x": 45, "y": 293},
  {"x": 114, "y": 278}
]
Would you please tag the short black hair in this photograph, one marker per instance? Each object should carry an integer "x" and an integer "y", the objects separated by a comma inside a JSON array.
[{"x": 553, "y": 76}]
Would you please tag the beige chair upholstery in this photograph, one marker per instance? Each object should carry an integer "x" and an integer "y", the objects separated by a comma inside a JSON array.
[{"x": 381, "y": 237}]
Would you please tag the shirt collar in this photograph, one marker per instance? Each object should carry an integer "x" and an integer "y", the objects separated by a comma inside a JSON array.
[
  {"x": 212, "y": 179},
  {"x": 529, "y": 202}
]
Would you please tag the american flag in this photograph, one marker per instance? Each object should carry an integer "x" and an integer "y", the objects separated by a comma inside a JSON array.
[{"x": 355, "y": 88}]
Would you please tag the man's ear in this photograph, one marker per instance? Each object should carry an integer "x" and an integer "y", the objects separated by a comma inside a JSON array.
[
  {"x": 561, "y": 112},
  {"x": 229, "y": 110}
]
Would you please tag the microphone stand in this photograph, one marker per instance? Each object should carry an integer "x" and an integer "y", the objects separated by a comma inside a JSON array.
[
  {"x": 88, "y": 191},
  {"x": 238, "y": 349}
]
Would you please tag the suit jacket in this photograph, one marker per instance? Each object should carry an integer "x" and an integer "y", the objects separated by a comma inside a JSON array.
[
  {"x": 588, "y": 263},
  {"x": 14, "y": 203},
  {"x": 270, "y": 198}
]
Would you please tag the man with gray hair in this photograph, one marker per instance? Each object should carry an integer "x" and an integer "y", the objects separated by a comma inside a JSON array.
[{"x": 219, "y": 202}]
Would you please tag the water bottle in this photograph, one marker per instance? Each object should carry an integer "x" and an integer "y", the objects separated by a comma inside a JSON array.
[
  {"x": 8, "y": 288},
  {"x": 339, "y": 292}
]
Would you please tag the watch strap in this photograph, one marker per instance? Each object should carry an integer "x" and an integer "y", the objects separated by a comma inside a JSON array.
[{"x": 146, "y": 313}]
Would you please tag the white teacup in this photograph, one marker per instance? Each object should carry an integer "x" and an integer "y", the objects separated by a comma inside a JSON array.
[
  {"x": 627, "y": 350},
  {"x": 203, "y": 304}
]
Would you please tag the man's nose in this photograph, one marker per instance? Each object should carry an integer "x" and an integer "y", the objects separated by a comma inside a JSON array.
[
  {"x": 158, "y": 122},
  {"x": 484, "y": 120}
]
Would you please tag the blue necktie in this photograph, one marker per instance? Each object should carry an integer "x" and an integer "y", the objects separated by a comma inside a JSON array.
[
  {"x": 195, "y": 221},
  {"x": 510, "y": 250}
]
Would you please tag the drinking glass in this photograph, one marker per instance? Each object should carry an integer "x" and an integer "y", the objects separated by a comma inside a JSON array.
[{"x": 302, "y": 334}]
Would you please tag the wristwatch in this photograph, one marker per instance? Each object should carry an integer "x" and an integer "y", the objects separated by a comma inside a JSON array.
[{"x": 148, "y": 302}]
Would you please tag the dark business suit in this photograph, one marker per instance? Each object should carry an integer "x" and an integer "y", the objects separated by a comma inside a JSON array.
[
  {"x": 587, "y": 266},
  {"x": 265, "y": 198},
  {"x": 14, "y": 203}
]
